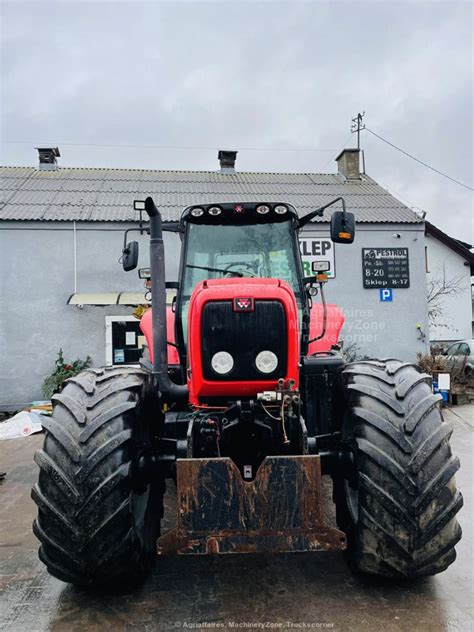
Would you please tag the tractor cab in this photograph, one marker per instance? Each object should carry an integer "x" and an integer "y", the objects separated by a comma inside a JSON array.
[{"x": 237, "y": 241}]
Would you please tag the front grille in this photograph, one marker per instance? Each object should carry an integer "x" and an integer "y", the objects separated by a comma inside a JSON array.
[{"x": 244, "y": 335}]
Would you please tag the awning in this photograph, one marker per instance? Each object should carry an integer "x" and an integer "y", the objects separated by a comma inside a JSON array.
[
  {"x": 114, "y": 298},
  {"x": 132, "y": 298},
  {"x": 108, "y": 298}
]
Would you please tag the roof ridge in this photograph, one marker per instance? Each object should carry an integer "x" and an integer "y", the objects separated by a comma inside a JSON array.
[{"x": 207, "y": 171}]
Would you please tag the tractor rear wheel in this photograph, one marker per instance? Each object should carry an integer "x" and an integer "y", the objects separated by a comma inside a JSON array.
[
  {"x": 399, "y": 513},
  {"x": 98, "y": 512}
]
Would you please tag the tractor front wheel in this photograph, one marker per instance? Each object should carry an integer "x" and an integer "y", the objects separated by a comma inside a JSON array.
[
  {"x": 98, "y": 512},
  {"x": 399, "y": 511}
]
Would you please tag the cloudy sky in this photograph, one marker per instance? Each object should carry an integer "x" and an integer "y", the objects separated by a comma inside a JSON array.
[{"x": 270, "y": 79}]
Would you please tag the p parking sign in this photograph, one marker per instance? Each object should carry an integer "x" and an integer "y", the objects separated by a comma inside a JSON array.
[{"x": 386, "y": 295}]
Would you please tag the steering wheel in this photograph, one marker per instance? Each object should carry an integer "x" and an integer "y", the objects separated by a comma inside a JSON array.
[{"x": 247, "y": 272}]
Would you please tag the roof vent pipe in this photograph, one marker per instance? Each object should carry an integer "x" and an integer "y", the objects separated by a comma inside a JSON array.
[
  {"x": 48, "y": 158},
  {"x": 227, "y": 160}
]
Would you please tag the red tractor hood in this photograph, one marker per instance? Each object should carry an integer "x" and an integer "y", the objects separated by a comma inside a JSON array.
[{"x": 244, "y": 295}]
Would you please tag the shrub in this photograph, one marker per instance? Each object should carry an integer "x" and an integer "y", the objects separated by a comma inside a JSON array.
[
  {"x": 352, "y": 353},
  {"x": 62, "y": 371},
  {"x": 432, "y": 363}
]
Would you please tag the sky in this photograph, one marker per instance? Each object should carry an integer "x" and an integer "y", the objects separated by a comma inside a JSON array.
[{"x": 277, "y": 81}]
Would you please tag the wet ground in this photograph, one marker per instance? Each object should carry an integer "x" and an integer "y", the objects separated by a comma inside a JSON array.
[{"x": 304, "y": 591}]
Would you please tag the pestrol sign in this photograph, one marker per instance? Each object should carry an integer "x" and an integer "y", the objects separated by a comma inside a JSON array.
[{"x": 317, "y": 249}]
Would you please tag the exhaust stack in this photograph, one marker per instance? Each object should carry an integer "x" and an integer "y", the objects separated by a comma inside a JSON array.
[{"x": 158, "y": 307}]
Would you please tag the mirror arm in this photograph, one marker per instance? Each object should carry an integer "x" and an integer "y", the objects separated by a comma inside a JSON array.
[
  {"x": 307, "y": 218},
  {"x": 171, "y": 227},
  {"x": 319, "y": 211},
  {"x": 125, "y": 237}
]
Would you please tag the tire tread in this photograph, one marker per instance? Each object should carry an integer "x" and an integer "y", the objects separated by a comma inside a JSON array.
[
  {"x": 85, "y": 520},
  {"x": 407, "y": 497}
]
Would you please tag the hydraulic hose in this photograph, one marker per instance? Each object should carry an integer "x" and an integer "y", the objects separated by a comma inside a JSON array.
[{"x": 325, "y": 315}]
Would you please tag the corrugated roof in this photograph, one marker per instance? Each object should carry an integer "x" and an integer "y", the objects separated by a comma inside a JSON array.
[{"x": 103, "y": 195}]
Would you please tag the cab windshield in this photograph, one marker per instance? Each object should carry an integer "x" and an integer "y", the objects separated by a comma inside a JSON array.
[
  {"x": 249, "y": 250},
  {"x": 254, "y": 250}
]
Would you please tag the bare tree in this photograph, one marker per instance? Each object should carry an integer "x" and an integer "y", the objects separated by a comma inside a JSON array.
[{"x": 439, "y": 288}]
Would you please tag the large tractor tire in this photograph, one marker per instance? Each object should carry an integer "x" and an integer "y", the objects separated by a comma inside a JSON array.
[
  {"x": 399, "y": 511},
  {"x": 98, "y": 513}
]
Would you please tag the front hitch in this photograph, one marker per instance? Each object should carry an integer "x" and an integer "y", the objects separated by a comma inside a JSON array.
[{"x": 281, "y": 510}]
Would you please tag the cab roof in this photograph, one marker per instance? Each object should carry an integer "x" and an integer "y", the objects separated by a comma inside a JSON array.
[{"x": 239, "y": 213}]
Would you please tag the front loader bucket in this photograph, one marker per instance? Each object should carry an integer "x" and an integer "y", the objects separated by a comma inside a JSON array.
[{"x": 279, "y": 511}]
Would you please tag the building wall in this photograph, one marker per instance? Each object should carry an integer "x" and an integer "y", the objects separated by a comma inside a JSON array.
[
  {"x": 37, "y": 263},
  {"x": 455, "y": 320},
  {"x": 380, "y": 329},
  {"x": 37, "y": 260}
]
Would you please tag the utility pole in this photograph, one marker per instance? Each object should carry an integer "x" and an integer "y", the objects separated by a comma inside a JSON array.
[{"x": 357, "y": 126}]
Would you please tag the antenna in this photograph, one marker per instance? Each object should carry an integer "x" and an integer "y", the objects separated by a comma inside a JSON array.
[{"x": 357, "y": 126}]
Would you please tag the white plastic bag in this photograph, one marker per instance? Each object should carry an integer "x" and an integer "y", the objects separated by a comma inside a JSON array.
[{"x": 20, "y": 425}]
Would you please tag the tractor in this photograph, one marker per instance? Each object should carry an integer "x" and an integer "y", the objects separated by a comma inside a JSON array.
[{"x": 244, "y": 400}]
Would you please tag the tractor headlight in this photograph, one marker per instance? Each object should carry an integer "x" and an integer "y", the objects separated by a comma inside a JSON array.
[
  {"x": 214, "y": 210},
  {"x": 266, "y": 362},
  {"x": 197, "y": 212},
  {"x": 280, "y": 209},
  {"x": 263, "y": 209},
  {"x": 222, "y": 362}
]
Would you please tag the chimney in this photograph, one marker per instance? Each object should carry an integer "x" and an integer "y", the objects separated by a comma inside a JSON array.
[
  {"x": 47, "y": 158},
  {"x": 348, "y": 164},
  {"x": 227, "y": 160}
]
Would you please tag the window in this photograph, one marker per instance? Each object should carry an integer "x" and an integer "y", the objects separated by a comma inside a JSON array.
[
  {"x": 123, "y": 340},
  {"x": 463, "y": 349}
]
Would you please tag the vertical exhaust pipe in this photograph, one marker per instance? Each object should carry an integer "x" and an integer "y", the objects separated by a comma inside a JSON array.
[{"x": 167, "y": 387}]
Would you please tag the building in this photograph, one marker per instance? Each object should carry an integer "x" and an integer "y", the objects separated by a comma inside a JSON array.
[
  {"x": 62, "y": 233},
  {"x": 449, "y": 267}
]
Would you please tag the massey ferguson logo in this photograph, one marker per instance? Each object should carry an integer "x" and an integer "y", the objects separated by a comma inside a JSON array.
[{"x": 243, "y": 305}]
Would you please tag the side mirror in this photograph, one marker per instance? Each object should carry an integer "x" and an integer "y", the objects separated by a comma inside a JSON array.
[
  {"x": 130, "y": 256},
  {"x": 342, "y": 227}
]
